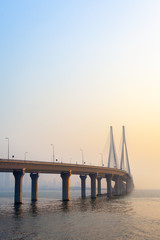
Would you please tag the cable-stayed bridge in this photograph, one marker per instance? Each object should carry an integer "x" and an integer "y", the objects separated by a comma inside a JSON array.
[{"x": 120, "y": 177}]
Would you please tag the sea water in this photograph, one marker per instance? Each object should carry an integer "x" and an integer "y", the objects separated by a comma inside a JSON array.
[{"x": 135, "y": 216}]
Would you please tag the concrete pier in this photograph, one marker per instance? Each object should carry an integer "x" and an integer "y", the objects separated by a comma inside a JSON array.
[
  {"x": 83, "y": 185},
  {"x": 18, "y": 175},
  {"x": 99, "y": 178},
  {"x": 109, "y": 186},
  {"x": 117, "y": 185},
  {"x": 34, "y": 186},
  {"x": 128, "y": 185},
  {"x": 93, "y": 177},
  {"x": 121, "y": 186},
  {"x": 65, "y": 185}
]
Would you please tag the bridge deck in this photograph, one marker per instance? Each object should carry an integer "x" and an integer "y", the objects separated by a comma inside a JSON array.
[{"x": 57, "y": 168}]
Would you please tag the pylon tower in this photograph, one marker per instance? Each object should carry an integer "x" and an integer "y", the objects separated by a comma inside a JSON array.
[
  {"x": 124, "y": 153},
  {"x": 112, "y": 150}
]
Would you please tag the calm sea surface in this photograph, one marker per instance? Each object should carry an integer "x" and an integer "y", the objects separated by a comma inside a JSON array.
[{"x": 136, "y": 216}]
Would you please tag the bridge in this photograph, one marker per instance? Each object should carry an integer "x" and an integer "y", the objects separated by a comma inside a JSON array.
[{"x": 120, "y": 176}]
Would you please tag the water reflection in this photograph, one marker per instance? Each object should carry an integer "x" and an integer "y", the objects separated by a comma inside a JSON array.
[
  {"x": 34, "y": 208},
  {"x": 83, "y": 205},
  {"x": 100, "y": 204},
  {"x": 17, "y": 209},
  {"x": 65, "y": 206},
  {"x": 93, "y": 203}
]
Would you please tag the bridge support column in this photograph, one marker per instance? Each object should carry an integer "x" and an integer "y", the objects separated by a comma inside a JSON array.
[
  {"x": 117, "y": 186},
  {"x": 18, "y": 175},
  {"x": 34, "y": 184},
  {"x": 99, "y": 178},
  {"x": 83, "y": 185},
  {"x": 121, "y": 186},
  {"x": 109, "y": 186},
  {"x": 65, "y": 185},
  {"x": 129, "y": 185},
  {"x": 93, "y": 177}
]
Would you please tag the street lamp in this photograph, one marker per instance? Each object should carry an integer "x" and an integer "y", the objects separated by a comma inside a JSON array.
[
  {"x": 8, "y": 146},
  {"x": 53, "y": 151},
  {"x": 25, "y": 155},
  {"x": 82, "y": 156},
  {"x": 102, "y": 159}
]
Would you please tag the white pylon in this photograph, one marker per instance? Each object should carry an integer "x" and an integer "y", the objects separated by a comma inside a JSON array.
[
  {"x": 124, "y": 148},
  {"x": 112, "y": 149}
]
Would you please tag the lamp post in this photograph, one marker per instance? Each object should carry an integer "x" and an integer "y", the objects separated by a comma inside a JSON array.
[
  {"x": 102, "y": 159},
  {"x": 82, "y": 156},
  {"x": 25, "y": 155},
  {"x": 8, "y": 146},
  {"x": 53, "y": 151}
]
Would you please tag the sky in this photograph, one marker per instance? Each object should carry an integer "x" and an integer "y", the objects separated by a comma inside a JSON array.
[{"x": 71, "y": 69}]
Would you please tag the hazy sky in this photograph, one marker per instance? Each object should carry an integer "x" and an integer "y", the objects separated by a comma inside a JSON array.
[{"x": 70, "y": 69}]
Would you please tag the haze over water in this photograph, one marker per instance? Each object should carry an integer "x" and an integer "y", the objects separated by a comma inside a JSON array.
[{"x": 135, "y": 216}]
